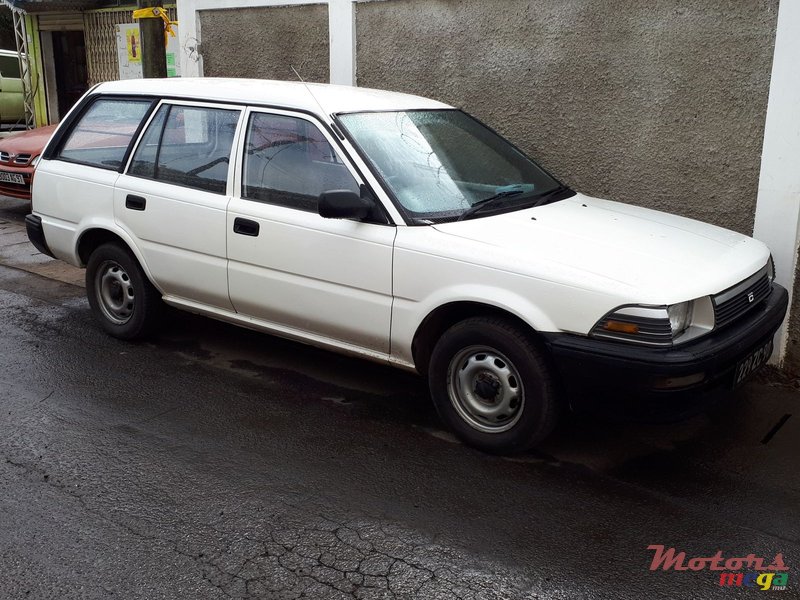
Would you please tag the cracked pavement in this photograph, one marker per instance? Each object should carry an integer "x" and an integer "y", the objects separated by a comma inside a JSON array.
[{"x": 214, "y": 462}]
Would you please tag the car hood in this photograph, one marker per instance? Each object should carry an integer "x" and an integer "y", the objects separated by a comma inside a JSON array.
[
  {"x": 647, "y": 255},
  {"x": 31, "y": 142}
]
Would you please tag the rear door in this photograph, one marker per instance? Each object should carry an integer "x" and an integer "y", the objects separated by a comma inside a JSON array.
[
  {"x": 172, "y": 199},
  {"x": 322, "y": 278},
  {"x": 76, "y": 185}
]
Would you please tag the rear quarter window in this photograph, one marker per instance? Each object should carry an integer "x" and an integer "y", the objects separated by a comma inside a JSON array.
[{"x": 102, "y": 134}]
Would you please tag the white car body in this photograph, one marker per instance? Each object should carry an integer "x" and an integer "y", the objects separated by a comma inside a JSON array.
[{"x": 367, "y": 289}]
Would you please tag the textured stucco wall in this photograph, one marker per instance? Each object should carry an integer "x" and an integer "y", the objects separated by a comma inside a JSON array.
[
  {"x": 266, "y": 43},
  {"x": 657, "y": 103},
  {"x": 791, "y": 361}
]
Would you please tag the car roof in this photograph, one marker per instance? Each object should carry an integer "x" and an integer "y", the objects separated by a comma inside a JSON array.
[{"x": 317, "y": 98}]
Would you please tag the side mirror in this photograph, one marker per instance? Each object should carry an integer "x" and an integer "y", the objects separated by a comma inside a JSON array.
[{"x": 343, "y": 204}]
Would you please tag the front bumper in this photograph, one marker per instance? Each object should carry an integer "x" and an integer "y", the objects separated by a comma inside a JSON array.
[
  {"x": 621, "y": 379},
  {"x": 17, "y": 190}
]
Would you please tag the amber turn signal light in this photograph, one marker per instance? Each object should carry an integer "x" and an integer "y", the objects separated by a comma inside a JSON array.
[{"x": 621, "y": 327}]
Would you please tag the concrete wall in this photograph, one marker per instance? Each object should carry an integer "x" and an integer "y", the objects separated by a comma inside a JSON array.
[
  {"x": 656, "y": 103},
  {"x": 266, "y": 42},
  {"x": 791, "y": 360}
]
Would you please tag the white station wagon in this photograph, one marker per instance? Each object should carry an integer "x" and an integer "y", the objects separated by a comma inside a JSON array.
[{"x": 402, "y": 230}]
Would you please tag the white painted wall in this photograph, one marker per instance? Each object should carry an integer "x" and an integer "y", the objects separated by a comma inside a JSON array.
[
  {"x": 342, "y": 32},
  {"x": 777, "y": 221}
]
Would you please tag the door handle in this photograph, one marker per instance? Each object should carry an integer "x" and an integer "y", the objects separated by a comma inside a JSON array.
[
  {"x": 135, "y": 202},
  {"x": 245, "y": 227}
]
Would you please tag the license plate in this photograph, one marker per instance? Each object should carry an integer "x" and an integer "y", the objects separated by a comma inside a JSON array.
[
  {"x": 11, "y": 177},
  {"x": 751, "y": 363}
]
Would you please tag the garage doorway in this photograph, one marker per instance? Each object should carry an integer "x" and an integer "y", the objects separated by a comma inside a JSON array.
[
  {"x": 69, "y": 58},
  {"x": 64, "y": 61}
]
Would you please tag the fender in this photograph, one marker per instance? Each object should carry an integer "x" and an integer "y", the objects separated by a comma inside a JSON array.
[
  {"x": 409, "y": 315},
  {"x": 103, "y": 223}
]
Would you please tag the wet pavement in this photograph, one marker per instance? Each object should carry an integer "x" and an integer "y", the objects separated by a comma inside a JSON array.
[{"x": 214, "y": 462}]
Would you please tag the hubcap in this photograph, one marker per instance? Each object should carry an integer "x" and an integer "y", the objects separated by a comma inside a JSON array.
[
  {"x": 485, "y": 389},
  {"x": 114, "y": 292}
]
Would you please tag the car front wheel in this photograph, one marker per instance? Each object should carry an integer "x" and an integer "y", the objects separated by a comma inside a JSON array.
[
  {"x": 121, "y": 296},
  {"x": 493, "y": 386}
]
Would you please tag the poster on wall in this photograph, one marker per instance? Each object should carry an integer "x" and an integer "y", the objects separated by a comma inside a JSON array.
[{"x": 129, "y": 52}]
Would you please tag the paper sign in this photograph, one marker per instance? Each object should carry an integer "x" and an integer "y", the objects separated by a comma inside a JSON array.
[{"x": 129, "y": 52}]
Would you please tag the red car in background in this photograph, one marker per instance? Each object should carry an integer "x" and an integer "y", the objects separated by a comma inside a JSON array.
[{"x": 19, "y": 154}]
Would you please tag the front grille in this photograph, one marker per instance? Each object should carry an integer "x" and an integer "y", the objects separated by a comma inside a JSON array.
[
  {"x": 741, "y": 298},
  {"x": 19, "y": 159}
]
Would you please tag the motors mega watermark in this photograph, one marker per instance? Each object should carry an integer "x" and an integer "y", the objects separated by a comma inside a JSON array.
[{"x": 749, "y": 571}]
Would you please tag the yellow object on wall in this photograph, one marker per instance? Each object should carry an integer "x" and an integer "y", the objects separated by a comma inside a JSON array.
[{"x": 156, "y": 12}]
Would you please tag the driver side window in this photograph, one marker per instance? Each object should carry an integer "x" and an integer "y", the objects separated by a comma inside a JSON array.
[{"x": 289, "y": 162}]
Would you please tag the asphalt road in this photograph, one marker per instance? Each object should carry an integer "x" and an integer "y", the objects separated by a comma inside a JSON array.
[{"x": 214, "y": 462}]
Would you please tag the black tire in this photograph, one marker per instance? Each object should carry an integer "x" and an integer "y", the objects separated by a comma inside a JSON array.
[
  {"x": 123, "y": 300},
  {"x": 493, "y": 386}
]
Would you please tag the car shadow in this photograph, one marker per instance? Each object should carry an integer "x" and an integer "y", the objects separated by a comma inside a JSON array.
[{"x": 367, "y": 390}]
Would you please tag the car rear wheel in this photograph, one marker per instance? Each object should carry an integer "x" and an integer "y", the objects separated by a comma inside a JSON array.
[
  {"x": 493, "y": 386},
  {"x": 121, "y": 296}
]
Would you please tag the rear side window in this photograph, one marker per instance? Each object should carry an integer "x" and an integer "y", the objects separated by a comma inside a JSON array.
[
  {"x": 103, "y": 133},
  {"x": 188, "y": 146}
]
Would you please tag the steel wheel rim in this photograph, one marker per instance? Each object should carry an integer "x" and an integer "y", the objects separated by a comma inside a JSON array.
[
  {"x": 114, "y": 292},
  {"x": 485, "y": 389}
]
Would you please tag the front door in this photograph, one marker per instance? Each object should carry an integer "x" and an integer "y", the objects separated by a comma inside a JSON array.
[{"x": 320, "y": 278}]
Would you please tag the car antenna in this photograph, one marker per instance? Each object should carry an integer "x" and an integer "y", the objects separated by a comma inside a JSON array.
[{"x": 311, "y": 93}]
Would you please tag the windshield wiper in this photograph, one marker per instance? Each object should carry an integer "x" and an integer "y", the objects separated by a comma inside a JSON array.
[
  {"x": 487, "y": 202},
  {"x": 551, "y": 195}
]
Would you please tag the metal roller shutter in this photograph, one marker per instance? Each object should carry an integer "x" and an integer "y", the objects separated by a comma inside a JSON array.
[{"x": 59, "y": 21}]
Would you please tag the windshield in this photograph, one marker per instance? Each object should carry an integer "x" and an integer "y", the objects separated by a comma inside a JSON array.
[{"x": 439, "y": 164}]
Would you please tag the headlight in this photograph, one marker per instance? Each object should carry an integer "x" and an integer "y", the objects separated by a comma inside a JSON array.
[
  {"x": 680, "y": 315},
  {"x": 771, "y": 269},
  {"x": 35, "y": 160},
  {"x": 649, "y": 325}
]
